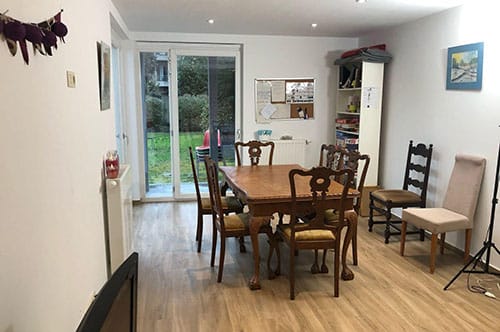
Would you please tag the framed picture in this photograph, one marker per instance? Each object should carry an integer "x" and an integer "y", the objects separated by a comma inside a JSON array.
[
  {"x": 103, "y": 55},
  {"x": 465, "y": 67}
]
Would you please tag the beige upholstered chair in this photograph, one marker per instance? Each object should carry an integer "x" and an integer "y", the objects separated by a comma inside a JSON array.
[
  {"x": 458, "y": 209},
  {"x": 229, "y": 203},
  {"x": 254, "y": 151}
]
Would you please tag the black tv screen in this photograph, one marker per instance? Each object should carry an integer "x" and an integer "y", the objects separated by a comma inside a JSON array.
[{"x": 115, "y": 306}]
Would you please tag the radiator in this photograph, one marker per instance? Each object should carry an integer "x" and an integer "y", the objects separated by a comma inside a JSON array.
[
  {"x": 291, "y": 151},
  {"x": 119, "y": 218}
]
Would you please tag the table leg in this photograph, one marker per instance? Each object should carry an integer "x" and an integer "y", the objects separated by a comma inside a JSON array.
[
  {"x": 352, "y": 219},
  {"x": 255, "y": 224}
]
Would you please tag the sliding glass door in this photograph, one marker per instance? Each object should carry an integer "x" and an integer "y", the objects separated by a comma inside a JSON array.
[{"x": 189, "y": 96}]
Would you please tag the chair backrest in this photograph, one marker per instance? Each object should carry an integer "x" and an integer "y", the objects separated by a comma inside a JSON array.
[
  {"x": 254, "y": 151},
  {"x": 464, "y": 185},
  {"x": 319, "y": 179},
  {"x": 352, "y": 160},
  {"x": 418, "y": 166},
  {"x": 330, "y": 155},
  {"x": 195, "y": 177},
  {"x": 214, "y": 190}
]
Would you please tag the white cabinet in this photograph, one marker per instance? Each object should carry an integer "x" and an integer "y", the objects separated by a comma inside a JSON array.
[{"x": 358, "y": 111}]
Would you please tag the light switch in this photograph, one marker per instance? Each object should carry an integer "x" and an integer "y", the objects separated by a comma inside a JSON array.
[{"x": 70, "y": 79}]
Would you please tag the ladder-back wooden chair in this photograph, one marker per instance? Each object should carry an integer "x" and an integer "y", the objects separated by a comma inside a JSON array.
[{"x": 413, "y": 194}]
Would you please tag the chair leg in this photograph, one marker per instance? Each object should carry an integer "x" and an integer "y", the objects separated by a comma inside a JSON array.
[
  {"x": 442, "y": 239},
  {"x": 403, "y": 238},
  {"x": 324, "y": 268},
  {"x": 214, "y": 244},
  {"x": 468, "y": 237},
  {"x": 370, "y": 217},
  {"x": 354, "y": 243},
  {"x": 221, "y": 259},
  {"x": 199, "y": 230},
  {"x": 273, "y": 246},
  {"x": 387, "y": 232},
  {"x": 242, "y": 244},
  {"x": 315, "y": 266},
  {"x": 434, "y": 243},
  {"x": 292, "y": 274},
  {"x": 336, "y": 269}
]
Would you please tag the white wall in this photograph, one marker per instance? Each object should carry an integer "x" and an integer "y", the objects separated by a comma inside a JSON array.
[
  {"x": 52, "y": 252},
  {"x": 417, "y": 105},
  {"x": 281, "y": 57}
]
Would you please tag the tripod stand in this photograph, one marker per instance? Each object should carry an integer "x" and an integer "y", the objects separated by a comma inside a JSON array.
[{"x": 487, "y": 245}]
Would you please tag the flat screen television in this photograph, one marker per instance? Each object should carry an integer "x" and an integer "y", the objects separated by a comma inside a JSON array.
[{"x": 115, "y": 306}]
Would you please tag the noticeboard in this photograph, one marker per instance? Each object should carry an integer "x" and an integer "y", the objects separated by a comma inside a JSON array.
[{"x": 284, "y": 99}]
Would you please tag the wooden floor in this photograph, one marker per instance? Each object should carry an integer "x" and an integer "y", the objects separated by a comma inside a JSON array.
[{"x": 178, "y": 289}]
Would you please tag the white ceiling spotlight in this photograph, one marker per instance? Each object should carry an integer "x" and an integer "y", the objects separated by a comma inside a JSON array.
[
  {"x": 361, "y": 1},
  {"x": 314, "y": 25},
  {"x": 211, "y": 21}
]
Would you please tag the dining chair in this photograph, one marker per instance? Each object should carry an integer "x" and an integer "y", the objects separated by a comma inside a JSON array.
[
  {"x": 254, "y": 151},
  {"x": 351, "y": 160},
  {"x": 331, "y": 155},
  {"x": 232, "y": 225},
  {"x": 229, "y": 203},
  {"x": 413, "y": 194},
  {"x": 316, "y": 233},
  {"x": 459, "y": 207}
]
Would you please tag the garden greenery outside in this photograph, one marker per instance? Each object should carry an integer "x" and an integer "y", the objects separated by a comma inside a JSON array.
[{"x": 193, "y": 104}]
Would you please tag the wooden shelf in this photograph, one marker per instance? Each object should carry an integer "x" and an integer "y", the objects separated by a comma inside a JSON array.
[{"x": 348, "y": 132}]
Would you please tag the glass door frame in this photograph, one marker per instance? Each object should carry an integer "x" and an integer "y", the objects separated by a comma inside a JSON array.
[{"x": 174, "y": 50}]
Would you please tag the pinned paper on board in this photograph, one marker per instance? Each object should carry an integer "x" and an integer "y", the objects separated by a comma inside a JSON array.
[
  {"x": 268, "y": 111},
  {"x": 370, "y": 97}
]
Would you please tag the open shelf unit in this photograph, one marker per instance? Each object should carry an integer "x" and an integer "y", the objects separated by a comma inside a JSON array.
[{"x": 358, "y": 111}]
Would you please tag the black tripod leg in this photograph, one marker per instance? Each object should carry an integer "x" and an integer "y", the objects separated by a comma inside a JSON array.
[{"x": 474, "y": 260}]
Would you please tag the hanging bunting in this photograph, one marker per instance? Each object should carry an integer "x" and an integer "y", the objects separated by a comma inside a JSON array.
[{"x": 43, "y": 36}]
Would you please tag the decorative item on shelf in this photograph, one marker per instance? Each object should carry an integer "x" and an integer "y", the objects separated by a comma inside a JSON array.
[
  {"x": 40, "y": 34},
  {"x": 263, "y": 134},
  {"x": 112, "y": 164}
]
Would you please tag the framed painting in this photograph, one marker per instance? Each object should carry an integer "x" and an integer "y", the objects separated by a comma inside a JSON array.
[
  {"x": 465, "y": 67},
  {"x": 104, "y": 54}
]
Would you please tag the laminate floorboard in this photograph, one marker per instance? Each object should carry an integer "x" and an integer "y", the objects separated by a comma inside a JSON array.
[{"x": 178, "y": 289}]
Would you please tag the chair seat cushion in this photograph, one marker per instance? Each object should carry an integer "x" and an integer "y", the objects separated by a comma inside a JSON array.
[
  {"x": 237, "y": 222},
  {"x": 229, "y": 203},
  {"x": 397, "y": 196},
  {"x": 308, "y": 235},
  {"x": 436, "y": 220}
]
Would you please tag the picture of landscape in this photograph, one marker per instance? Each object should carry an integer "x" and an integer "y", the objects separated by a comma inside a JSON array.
[{"x": 465, "y": 67}]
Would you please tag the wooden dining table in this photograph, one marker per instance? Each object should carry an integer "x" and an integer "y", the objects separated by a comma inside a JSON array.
[{"x": 266, "y": 190}]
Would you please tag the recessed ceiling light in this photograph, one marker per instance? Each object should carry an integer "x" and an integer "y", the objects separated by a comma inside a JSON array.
[
  {"x": 314, "y": 25},
  {"x": 211, "y": 21},
  {"x": 361, "y": 1}
]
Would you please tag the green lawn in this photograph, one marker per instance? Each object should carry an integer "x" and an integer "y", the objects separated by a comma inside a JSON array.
[{"x": 159, "y": 156}]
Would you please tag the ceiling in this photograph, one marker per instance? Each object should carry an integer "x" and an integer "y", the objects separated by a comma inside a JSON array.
[{"x": 335, "y": 18}]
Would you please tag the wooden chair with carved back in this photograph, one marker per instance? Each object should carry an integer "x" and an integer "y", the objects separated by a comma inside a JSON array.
[
  {"x": 232, "y": 225},
  {"x": 316, "y": 233},
  {"x": 229, "y": 203},
  {"x": 255, "y": 149}
]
